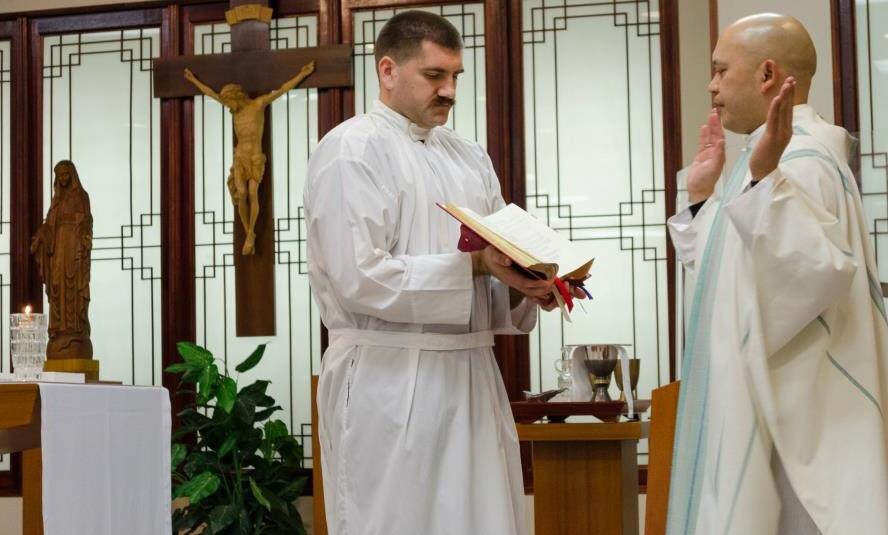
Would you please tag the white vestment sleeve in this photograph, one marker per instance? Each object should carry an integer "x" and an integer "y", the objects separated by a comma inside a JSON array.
[
  {"x": 686, "y": 231},
  {"x": 355, "y": 224},
  {"x": 507, "y": 320},
  {"x": 798, "y": 253}
]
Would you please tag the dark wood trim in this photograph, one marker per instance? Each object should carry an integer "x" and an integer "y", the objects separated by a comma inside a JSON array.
[
  {"x": 496, "y": 57},
  {"x": 642, "y": 478},
  {"x": 296, "y": 7},
  {"x": 139, "y": 18},
  {"x": 177, "y": 217},
  {"x": 355, "y": 5},
  {"x": 346, "y": 35},
  {"x": 844, "y": 54},
  {"x": 505, "y": 146},
  {"x": 102, "y": 8},
  {"x": 330, "y": 111},
  {"x": 200, "y": 14},
  {"x": 16, "y": 31},
  {"x": 515, "y": 189},
  {"x": 513, "y": 182},
  {"x": 288, "y": 7},
  {"x": 32, "y": 182},
  {"x": 669, "y": 55}
]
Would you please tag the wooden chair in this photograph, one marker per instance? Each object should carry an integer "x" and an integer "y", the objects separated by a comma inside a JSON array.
[
  {"x": 664, "y": 407},
  {"x": 320, "y": 517}
]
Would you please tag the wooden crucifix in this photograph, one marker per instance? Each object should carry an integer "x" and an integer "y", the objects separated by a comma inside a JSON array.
[{"x": 252, "y": 69}]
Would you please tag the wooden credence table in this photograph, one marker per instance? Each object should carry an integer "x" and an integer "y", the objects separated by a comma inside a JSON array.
[{"x": 585, "y": 476}]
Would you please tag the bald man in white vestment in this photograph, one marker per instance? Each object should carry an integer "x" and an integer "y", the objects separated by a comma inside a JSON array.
[
  {"x": 781, "y": 425},
  {"x": 415, "y": 425}
]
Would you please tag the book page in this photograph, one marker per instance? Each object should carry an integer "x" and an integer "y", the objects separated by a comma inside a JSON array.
[{"x": 535, "y": 237}]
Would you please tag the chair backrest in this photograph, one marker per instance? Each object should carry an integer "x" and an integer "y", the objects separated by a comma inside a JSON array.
[
  {"x": 664, "y": 406},
  {"x": 320, "y": 517}
]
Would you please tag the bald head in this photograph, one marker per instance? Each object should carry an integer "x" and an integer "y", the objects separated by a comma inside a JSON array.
[
  {"x": 752, "y": 59},
  {"x": 776, "y": 37}
]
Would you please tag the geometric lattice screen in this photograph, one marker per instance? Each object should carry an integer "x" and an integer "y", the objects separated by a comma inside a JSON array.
[
  {"x": 872, "y": 67},
  {"x": 5, "y": 61},
  {"x": 293, "y": 355},
  {"x": 469, "y": 115},
  {"x": 595, "y": 173},
  {"x": 99, "y": 112}
]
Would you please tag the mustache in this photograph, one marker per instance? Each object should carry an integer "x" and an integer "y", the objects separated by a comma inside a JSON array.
[{"x": 444, "y": 101}]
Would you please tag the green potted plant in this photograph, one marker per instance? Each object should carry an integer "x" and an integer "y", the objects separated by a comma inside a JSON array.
[{"x": 240, "y": 471}]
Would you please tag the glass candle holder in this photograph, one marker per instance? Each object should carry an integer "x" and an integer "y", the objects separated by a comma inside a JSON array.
[{"x": 27, "y": 341}]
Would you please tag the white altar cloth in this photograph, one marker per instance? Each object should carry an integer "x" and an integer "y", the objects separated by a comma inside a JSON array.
[{"x": 106, "y": 459}]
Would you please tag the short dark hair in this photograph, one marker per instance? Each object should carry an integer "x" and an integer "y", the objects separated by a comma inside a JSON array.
[{"x": 402, "y": 36}]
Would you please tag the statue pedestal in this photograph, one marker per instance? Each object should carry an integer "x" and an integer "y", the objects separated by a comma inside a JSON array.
[{"x": 88, "y": 367}]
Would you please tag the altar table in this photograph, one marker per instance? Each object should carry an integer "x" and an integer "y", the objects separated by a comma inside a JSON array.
[{"x": 95, "y": 458}]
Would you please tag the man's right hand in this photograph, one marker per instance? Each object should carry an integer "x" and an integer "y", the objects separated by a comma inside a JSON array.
[
  {"x": 189, "y": 75},
  {"x": 489, "y": 261},
  {"x": 709, "y": 162}
]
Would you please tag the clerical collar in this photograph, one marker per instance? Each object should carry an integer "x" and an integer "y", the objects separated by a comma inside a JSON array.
[{"x": 416, "y": 132}]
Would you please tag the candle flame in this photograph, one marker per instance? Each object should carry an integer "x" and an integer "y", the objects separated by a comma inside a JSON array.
[{"x": 27, "y": 309}]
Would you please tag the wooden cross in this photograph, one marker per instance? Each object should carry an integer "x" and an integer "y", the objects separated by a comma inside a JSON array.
[{"x": 258, "y": 70}]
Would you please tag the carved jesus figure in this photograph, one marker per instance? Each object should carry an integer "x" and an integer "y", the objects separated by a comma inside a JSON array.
[
  {"x": 248, "y": 167},
  {"x": 62, "y": 248}
]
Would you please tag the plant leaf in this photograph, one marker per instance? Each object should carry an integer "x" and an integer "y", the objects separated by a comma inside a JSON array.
[
  {"x": 245, "y": 410},
  {"x": 221, "y": 517},
  {"x": 177, "y": 455},
  {"x": 257, "y": 493},
  {"x": 227, "y": 446},
  {"x": 227, "y": 394},
  {"x": 295, "y": 488},
  {"x": 206, "y": 383},
  {"x": 197, "y": 462},
  {"x": 267, "y": 413},
  {"x": 178, "y": 367},
  {"x": 252, "y": 360},
  {"x": 275, "y": 430},
  {"x": 198, "y": 487},
  {"x": 194, "y": 420},
  {"x": 255, "y": 389},
  {"x": 194, "y": 354}
]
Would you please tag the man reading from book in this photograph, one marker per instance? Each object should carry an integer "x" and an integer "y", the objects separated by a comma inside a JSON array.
[{"x": 415, "y": 425}]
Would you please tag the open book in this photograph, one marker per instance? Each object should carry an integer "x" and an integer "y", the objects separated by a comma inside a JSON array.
[{"x": 528, "y": 241}]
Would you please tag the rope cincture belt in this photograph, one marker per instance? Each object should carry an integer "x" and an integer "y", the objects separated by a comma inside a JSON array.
[{"x": 411, "y": 340}]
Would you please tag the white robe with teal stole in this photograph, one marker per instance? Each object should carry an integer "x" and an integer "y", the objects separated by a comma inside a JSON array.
[{"x": 786, "y": 349}]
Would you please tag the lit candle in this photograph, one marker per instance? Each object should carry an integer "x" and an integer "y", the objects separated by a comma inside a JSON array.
[{"x": 27, "y": 310}]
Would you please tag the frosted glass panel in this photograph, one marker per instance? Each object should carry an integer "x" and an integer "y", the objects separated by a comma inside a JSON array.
[
  {"x": 4, "y": 214},
  {"x": 872, "y": 66},
  {"x": 469, "y": 115},
  {"x": 593, "y": 133},
  {"x": 292, "y": 356},
  {"x": 99, "y": 112}
]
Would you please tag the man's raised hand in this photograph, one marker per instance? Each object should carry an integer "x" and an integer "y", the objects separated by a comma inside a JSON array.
[
  {"x": 778, "y": 130},
  {"x": 709, "y": 162}
]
